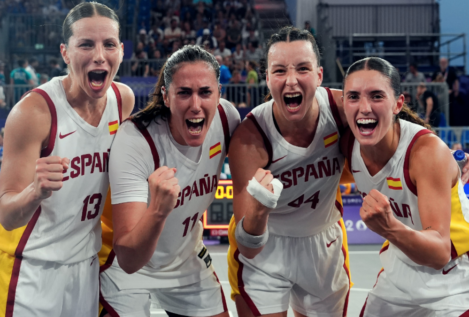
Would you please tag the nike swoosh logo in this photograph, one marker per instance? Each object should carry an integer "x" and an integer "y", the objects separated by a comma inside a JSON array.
[
  {"x": 355, "y": 171},
  {"x": 61, "y": 136},
  {"x": 330, "y": 243},
  {"x": 279, "y": 159},
  {"x": 446, "y": 272}
]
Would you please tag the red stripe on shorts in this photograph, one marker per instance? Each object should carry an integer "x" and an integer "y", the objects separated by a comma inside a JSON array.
[
  {"x": 348, "y": 276},
  {"x": 106, "y": 305},
  {"x": 243, "y": 293},
  {"x": 465, "y": 314},
  {"x": 225, "y": 307}
]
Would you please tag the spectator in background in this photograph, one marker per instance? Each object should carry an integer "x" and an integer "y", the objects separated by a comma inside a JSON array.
[
  {"x": 457, "y": 146},
  {"x": 222, "y": 50},
  {"x": 207, "y": 2},
  {"x": 139, "y": 51},
  {"x": 221, "y": 18},
  {"x": 43, "y": 78},
  {"x": 2, "y": 74},
  {"x": 253, "y": 53},
  {"x": 56, "y": 70},
  {"x": 140, "y": 67},
  {"x": 173, "y": 32},
  {"x": 31, "y": 68},
  {"x": 2, "y": 98},
  {"x": 218, "y": 32},
  {"x": 238, "y": 54},
  {"x": 199, "y": 23},
  {"x": 206, "y": 36},
  {"x": 233, "y": 35},
  {"x": 237, "y": 93},
  {"x": 21, "y": 77},
  {"x": 252, "y": 77},
  {"x": 448, "y": 74},
  {"x": 187, "y": 34},
  {"x": 187, "y": 11},
  {"x": 409, "y": 102},
  {"x": 429, "y": 102},
  {"x": 156, "y": 34},
  {"x": 156, "y": 64},
  {"x": 225, "y": 74},
  {"x": 414, "y": 76},
  {"x": 205, "y": 26},
  {"x": 310, "y": 28},
  {"x": 249, "y": 34}
]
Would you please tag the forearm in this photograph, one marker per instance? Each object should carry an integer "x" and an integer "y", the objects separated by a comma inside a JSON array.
[
  {"x": 135, "y": 248},
  {"x": 17, "y": 209},
  {"x": 255, "y": 223},
  {"x": 426, "y": 247}
]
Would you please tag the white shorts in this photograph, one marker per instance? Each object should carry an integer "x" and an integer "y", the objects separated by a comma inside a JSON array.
[
  {"x": 308, "y": 273},
  {"x": 404, "y": 288},
  {"x": 204, "y": 298},
  {"x": 49, "y": 289}
]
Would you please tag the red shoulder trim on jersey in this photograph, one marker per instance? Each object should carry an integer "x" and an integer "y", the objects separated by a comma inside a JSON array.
[
  {"x": 454, "y": 253},
  {"x": 108, "y": 263},
  {"x": 242, "y": 291},
  {"x": 17, "y": 264},
  {"x": 226, "y": 127},
  {"x": 268, "y": 145},
  {"x": 119, "y": 100},
  {"x": 154, "y": 152},
  {"x": 53, "y": 127},
  {"x": 335, "y": 112},
  {"x": 408, "y": 181}
]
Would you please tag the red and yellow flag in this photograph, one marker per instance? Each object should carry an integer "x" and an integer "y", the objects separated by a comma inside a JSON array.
[
  {"x": 215, "y": 150},
  {"x": 394, "y": 183},
  {"x": 113, "y": 127},
  {"x": 331, "y": 139}
]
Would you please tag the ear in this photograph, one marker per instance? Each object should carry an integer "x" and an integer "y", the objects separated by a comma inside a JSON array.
[
  {"x": 165, "y": 96},
  {"x": 122, "y": 50},
  {"x": 320, "y": 75},
  {"x": 63, "y": 52},
  {"x": 399, "y": 104}
]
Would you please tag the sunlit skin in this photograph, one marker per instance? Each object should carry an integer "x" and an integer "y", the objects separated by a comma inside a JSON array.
[
  {"x": 368, "y": 95},
  {"x": 194, "y": 93},
  {"x": 292, "y": 68},
  {"x": 93, "y": 46}
]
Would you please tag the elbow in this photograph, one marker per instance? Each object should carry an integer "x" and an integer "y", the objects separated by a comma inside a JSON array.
[
  {"x": 128, "y": 267},
  {"x": 441, "y": 260}
]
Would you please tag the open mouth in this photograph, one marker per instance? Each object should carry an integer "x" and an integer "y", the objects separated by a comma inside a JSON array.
[
  {"x": 293, "y": 101},
  {"x": 366, "y": 126},
  {"x": 97, "y": 78},
  {"x": 195, "y": 125}
]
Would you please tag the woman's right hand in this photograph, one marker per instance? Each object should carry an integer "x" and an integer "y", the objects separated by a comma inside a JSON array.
[
  {"x": 49, "y": 175},
  {"x": 164, "y": 190},
  {"x": 264, "y": 177}
]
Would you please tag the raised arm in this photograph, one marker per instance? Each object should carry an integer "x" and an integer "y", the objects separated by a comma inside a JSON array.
[
  {"x": 25, "y": 178},
  {"x": 434, "y": 172},
  {"x": 247, "y": 158}
]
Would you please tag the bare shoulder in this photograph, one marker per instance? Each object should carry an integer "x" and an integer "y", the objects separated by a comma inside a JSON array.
[{"x": 128, "y": 99}]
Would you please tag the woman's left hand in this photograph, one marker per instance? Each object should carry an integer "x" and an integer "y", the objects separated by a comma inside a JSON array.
[{"x": 376, "y": 213}]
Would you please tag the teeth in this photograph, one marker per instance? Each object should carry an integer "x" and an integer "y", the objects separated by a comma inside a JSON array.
[
  {"x": 293, "y": 108},
  {"x": 292, "y": 95},
  {"x": 96, "y": 83},
  {"x": 196, "y": 120},
  {"x": 196, "y": 131},
  {"x": 98, "y": 71},
  {"x": 366, "y": 121}
]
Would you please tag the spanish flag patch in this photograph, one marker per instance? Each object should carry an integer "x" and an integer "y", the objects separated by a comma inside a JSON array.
[
  {"x": 113, "y": 127},
  {"x": 394, "y": 183},
  {"x": 215, "y": 150},
  {"x": 331, "y": 139}
]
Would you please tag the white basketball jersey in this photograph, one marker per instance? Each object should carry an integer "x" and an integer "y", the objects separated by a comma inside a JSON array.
[
  {"x": 180, "y": 257},
  {"x": 66, "y": 227},
  {"x": 393, "y": 180},
  {"x": 310, "y": 201}
]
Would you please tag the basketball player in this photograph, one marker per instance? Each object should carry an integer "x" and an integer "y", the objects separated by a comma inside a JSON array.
[
  {"x": 289, "y": 248},
  {"x": 54, "y": 175},
  {"x": 164, "y": 172},
  {"x": 423, "y": 215}
]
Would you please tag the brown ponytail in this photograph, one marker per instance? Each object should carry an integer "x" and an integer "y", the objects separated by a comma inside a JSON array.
[{"x": 408, "y": 115}]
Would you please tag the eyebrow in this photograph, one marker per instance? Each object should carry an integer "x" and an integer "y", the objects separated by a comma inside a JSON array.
[
  {"x": 371, "y": 92},
  {"x": 188, "y": 88},
  {"x": 299, "y": 64}
]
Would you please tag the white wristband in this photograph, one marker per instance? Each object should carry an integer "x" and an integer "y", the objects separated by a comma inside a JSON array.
[
  {"x": 248, "y": 240},
  {"x": 263, "y": 195}
]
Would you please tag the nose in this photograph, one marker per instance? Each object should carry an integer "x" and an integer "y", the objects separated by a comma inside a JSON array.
[
  {"x": 196, "y": 103},
  {"x": 365, "y": 105},
  {"x": 291, "y": 78},
  {"x": 99, "y": 54}
]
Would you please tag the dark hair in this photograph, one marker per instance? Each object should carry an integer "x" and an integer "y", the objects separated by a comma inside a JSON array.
[
  {"x": 386, "y": 69},
  {"x": 155, "y": 107},
  {"x": 32, "y": 60},
  {"x": 289, "y": 34},
  {"x": 21, "y": 62},
  {"x": 53, "y": 61},
  {"x": 86, "y": 10}
]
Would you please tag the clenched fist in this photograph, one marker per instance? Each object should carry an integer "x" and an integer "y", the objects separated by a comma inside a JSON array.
[
  {"x": 376, "y": 212},
  {"x": 264, "y": 177},
  {"x": 49, "y": 175},
  {"x": 164, "y": 190}
]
